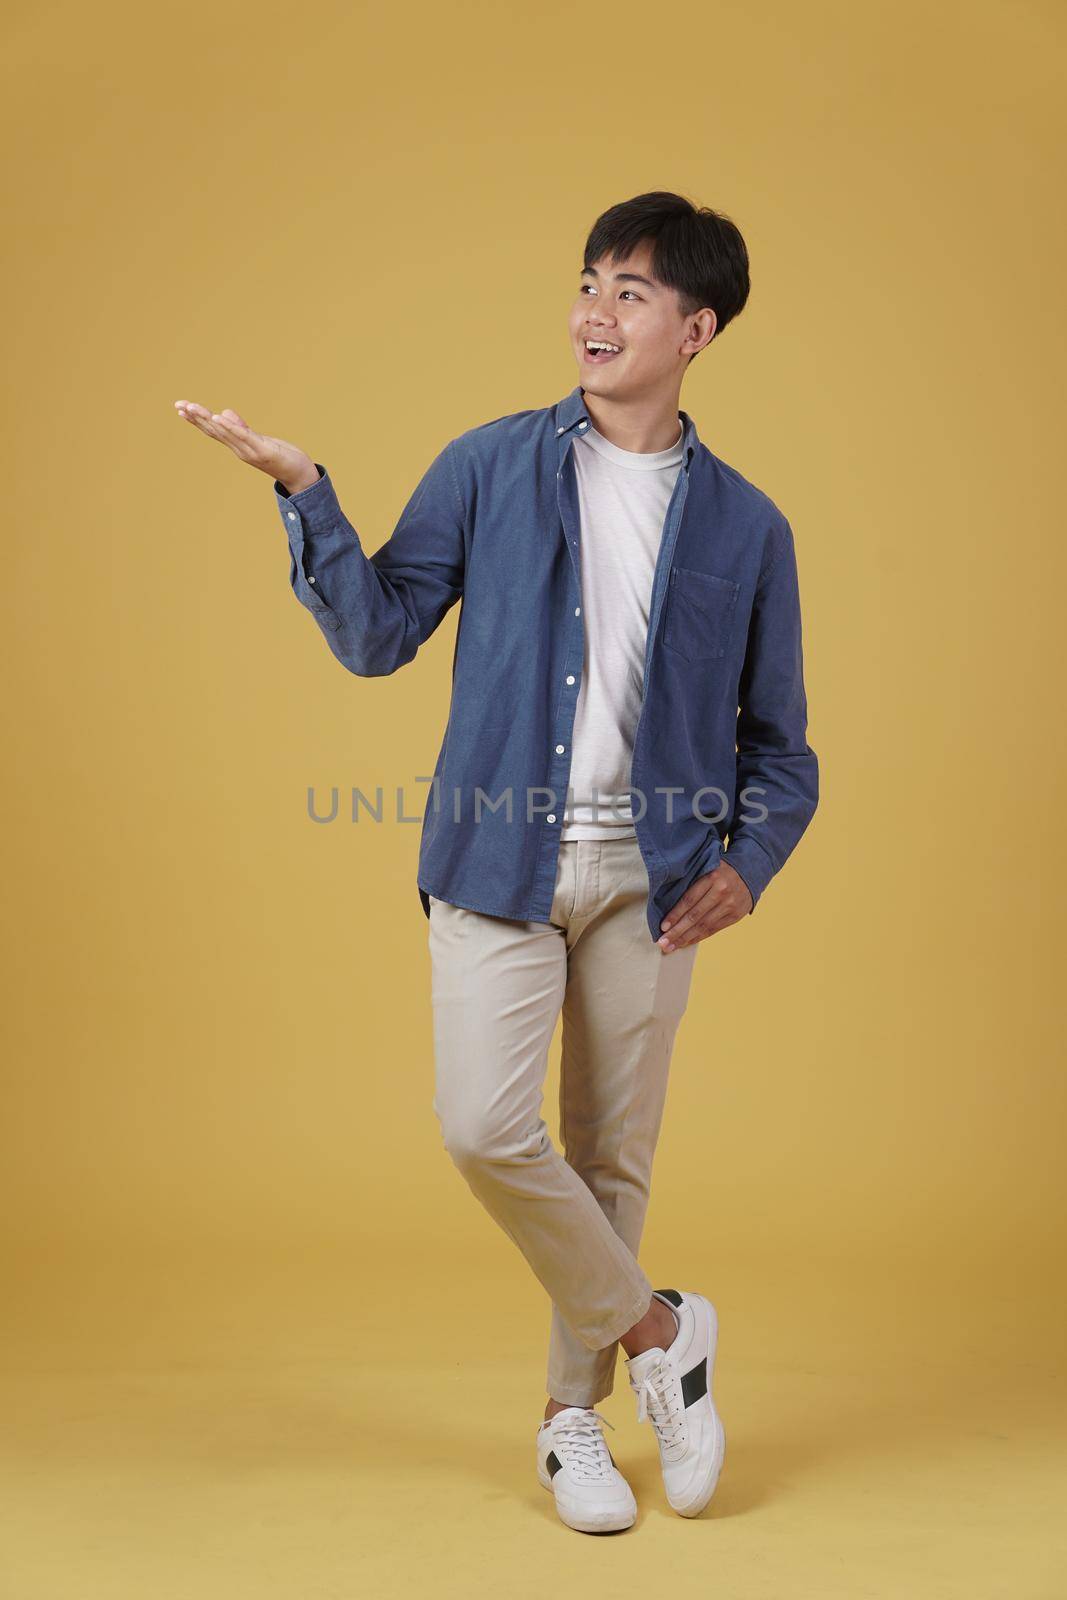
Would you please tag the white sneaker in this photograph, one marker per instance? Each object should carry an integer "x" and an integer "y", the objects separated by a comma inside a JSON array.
[
  {"x": 573, "y": 1460},
  {"x": 673, "y": 1389}
]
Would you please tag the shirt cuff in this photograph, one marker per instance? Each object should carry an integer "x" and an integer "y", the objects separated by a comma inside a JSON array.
[
  {"x": 752, "y": 864},
  {"x": 283, "y": 494}
]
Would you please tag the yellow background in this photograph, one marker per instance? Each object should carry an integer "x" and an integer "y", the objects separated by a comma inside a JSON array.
[{"x": 260, "y": 1340}]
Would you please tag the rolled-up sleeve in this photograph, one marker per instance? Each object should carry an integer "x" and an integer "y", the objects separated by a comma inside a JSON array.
[{"x": 375, "y": 611}]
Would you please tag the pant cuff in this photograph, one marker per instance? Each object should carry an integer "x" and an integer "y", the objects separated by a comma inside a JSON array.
[
  {"x": 614, "y": 1330},
  {"x": 568, "y": 1396},
  {"x": 634, "y": 1314}
]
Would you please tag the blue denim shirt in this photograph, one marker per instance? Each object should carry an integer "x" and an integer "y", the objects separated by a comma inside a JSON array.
[{"x": 721, "y": 766}]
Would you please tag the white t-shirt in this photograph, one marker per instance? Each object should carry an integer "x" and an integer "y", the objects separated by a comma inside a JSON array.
[{"x": 623, "y": 497}]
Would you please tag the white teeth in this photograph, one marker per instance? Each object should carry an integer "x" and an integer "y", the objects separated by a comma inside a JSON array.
[{"x": 599, "y": 344}]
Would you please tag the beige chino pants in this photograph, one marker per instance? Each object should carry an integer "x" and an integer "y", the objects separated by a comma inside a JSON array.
[{"x": 498, "y": 985}]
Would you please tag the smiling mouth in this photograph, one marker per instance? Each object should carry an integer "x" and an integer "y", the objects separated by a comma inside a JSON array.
[{"x": 598, "y": 357}]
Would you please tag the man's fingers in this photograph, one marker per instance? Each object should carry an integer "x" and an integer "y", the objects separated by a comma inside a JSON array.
[
  {"x": 704, "y": 929},
  {"x": 255, "y": 448},
  {"x": 695, "y": 910},
  {"x": 235, "y": 427},
  {"x": 201, "y": 417},
  {"x": 677, "y": 922},
  {"x": 228, "y": 427},
  {"x": 237, "y": 435},
  {"x": 717, "y": 914}
]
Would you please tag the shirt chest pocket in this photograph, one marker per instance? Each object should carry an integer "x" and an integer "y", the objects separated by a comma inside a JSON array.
[{"x": 700, "y": 614}]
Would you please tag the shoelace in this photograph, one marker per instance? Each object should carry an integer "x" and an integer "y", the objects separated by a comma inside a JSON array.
[
  {"x": 654, "y": 1400},
  {"x": 586, "y": 1446}
]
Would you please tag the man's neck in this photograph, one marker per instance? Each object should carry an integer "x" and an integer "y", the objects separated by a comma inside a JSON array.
[{"x": 643, "y": 426}]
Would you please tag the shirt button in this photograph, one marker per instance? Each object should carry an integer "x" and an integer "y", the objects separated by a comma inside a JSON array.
[
  {"x": 558, "y": 432},
  {"x": 559, "y": 749},
  {"x": 550, "y": 819},
  {"x": 583, "y": 424},
  {"x": 577, "y": 611},
  {"x": 311, "y": 580},
  {"x": 292, "y": 516},
  {"x": 570, "y": 677}
]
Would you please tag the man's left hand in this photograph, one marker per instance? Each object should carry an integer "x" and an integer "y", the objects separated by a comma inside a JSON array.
[{"x": 715, "y": 901}]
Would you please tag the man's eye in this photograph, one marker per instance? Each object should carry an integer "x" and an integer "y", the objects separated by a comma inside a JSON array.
[{"x": 584, "y": 286}]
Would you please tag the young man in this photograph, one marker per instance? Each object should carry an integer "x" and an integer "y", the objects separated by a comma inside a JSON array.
[{"x": 624, "y": 769}]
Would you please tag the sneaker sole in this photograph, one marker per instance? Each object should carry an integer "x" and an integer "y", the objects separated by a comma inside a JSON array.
[
  {"x": 606, "y": 1522},
  {"x": 696, "y": 1504},
  {"x": 693, "y": 1508}
]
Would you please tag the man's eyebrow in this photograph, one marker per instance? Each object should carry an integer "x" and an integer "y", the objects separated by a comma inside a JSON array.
[{"x": 620, "y": 277}]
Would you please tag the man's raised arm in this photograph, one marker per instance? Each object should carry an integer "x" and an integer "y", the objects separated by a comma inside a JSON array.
[{"x": 374, "y": 611}]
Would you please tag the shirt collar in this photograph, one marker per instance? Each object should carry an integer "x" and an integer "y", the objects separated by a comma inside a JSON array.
[{"x": 571, "y": 414}]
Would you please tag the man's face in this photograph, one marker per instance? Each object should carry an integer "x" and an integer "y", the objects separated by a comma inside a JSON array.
[{"x": 620, "y": 303}]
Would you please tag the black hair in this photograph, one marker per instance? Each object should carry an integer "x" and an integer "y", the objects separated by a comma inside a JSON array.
[{"x": 697, "y": 252}]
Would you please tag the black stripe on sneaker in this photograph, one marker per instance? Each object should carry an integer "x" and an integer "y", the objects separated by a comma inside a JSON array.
[
  {"x": 672, "y": 1295},
  {"x": 553, "y": 1463},
  {"x": 695, "y": 1382}
]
